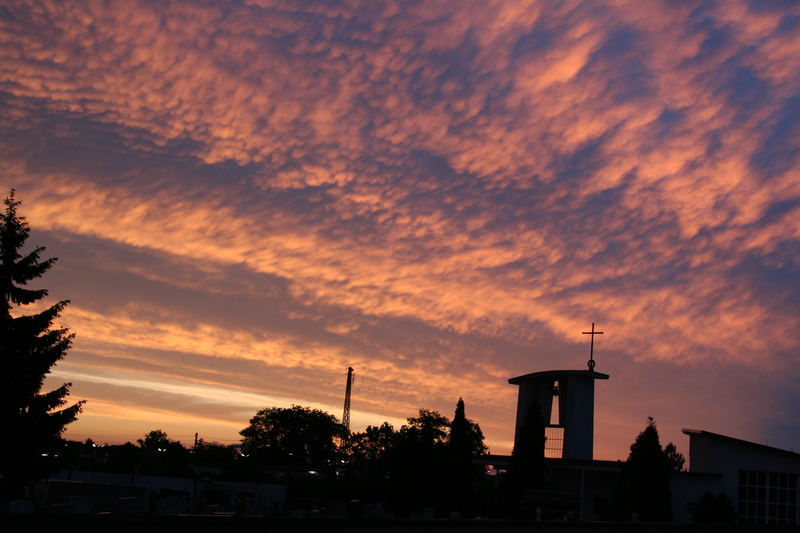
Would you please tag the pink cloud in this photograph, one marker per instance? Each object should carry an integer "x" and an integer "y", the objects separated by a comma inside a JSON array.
[{"x": 499, "y": 170}]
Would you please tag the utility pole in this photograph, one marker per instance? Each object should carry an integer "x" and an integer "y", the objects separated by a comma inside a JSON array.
[{"x": 194, "y": 476}]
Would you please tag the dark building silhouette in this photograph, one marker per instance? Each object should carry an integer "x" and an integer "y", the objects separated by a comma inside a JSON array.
[
  {"x": 570, "y": 428},
  {"x": 760, "y": 481},
  {"x": 578, "y": 487}
]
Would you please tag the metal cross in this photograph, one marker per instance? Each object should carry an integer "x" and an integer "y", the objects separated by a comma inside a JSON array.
[{"x": 591, "y": 346}]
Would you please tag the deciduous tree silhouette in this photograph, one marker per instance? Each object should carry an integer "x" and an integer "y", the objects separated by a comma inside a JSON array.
[
  {"x": 294, "y": 436},
  {"x": 125, "y": 458},
  {"x": 163, "y": 457},
  {"x": 214, "y": 452},
  {"x": 32, "y": 421},
  {"x": 154, "y": 440},
  {"x": 429, "y": 428},
  {"x": 417, "y": 463},
  {"x": 368, "y": 452}
]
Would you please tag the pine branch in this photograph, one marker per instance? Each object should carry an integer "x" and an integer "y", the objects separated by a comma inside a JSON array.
[
  {"x": 25, "y": 296},
  {"x": 29, "y": 267},
  {"x": 35, "y": 325}
]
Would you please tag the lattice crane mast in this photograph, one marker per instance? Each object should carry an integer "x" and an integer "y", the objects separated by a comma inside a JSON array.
[{"x": 348, "y": 389}]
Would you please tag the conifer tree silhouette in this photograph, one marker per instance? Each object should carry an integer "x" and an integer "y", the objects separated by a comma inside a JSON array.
[
  {"x": 644, "y": 486},
  {"x": 460, "y": 460},
  {"x": 527, "y": 457},
  {"x": 31, "y": 421}
]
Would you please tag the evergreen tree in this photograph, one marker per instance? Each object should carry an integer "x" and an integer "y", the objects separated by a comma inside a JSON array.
[
  {"x": 459, "y": 450},
  {"x": 458, "y": 442},
  {"x": 644, "y": 486},
  {"x": 32, "y": 421},
  {"x": 527, "y": 457},
  {"x": 527, "y": 470},
  {"x": 675, "y": 459}
]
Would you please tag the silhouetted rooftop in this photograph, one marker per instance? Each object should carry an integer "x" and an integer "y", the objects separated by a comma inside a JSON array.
[
  {"x": 733, "y": 440},
  {"x": 557, "y": 373}
]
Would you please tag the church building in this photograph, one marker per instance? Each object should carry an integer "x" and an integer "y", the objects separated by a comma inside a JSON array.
[{"x": 760, "y": 481}]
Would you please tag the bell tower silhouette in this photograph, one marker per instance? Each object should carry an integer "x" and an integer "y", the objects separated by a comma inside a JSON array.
[{"x": 574, "y": 424}]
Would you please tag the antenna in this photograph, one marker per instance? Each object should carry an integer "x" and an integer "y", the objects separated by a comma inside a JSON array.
[{"x": 348, "y": 389}]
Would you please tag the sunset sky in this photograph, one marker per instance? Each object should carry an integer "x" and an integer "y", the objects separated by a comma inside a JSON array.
[{"x": 246, "y": 197}]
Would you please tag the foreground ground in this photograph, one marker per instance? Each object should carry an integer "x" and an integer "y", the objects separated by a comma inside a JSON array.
[{"x": 199, "y": 524}]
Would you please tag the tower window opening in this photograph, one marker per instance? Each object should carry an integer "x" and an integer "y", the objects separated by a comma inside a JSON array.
[
  {"x": 554, "y": 442},
  {"x": 554, "y": 418}
]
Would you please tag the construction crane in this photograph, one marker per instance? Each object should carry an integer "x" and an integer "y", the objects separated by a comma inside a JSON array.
[{"x": 346, "y": 414}]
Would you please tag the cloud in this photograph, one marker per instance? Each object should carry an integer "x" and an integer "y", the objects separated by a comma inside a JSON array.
[{"x": 431, "y": 191}]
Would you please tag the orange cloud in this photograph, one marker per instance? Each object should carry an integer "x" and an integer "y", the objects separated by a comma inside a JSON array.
[{"x": 486, "y": 175}]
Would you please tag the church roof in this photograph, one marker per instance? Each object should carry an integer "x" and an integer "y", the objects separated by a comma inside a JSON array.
[{"x": 557, "y": 374}]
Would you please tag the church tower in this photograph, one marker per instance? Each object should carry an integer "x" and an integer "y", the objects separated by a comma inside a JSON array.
[{"x": 570, "y": 430}]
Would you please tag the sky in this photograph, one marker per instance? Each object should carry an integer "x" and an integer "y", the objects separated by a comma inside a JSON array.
[{"x": 246, "y": 197}]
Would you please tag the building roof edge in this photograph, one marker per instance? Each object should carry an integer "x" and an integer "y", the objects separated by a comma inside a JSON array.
[
  {"x": 556, "y": 373},
  {"x": 764, "y": 447}
]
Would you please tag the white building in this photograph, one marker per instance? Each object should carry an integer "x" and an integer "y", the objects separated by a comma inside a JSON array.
[{"x": 761, "y": 481}]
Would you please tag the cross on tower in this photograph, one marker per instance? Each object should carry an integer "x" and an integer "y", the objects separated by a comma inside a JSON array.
[{"x": 591, "y": 346}]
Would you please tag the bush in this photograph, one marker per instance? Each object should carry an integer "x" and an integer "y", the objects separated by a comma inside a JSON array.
[{"x": 714, "y": 509}]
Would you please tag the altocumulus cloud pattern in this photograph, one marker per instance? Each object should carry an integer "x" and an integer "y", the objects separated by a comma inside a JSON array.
[{"x": 247, "y": 197}]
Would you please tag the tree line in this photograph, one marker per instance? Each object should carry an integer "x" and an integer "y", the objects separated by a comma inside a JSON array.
[{"x": 429, "y": 462}]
